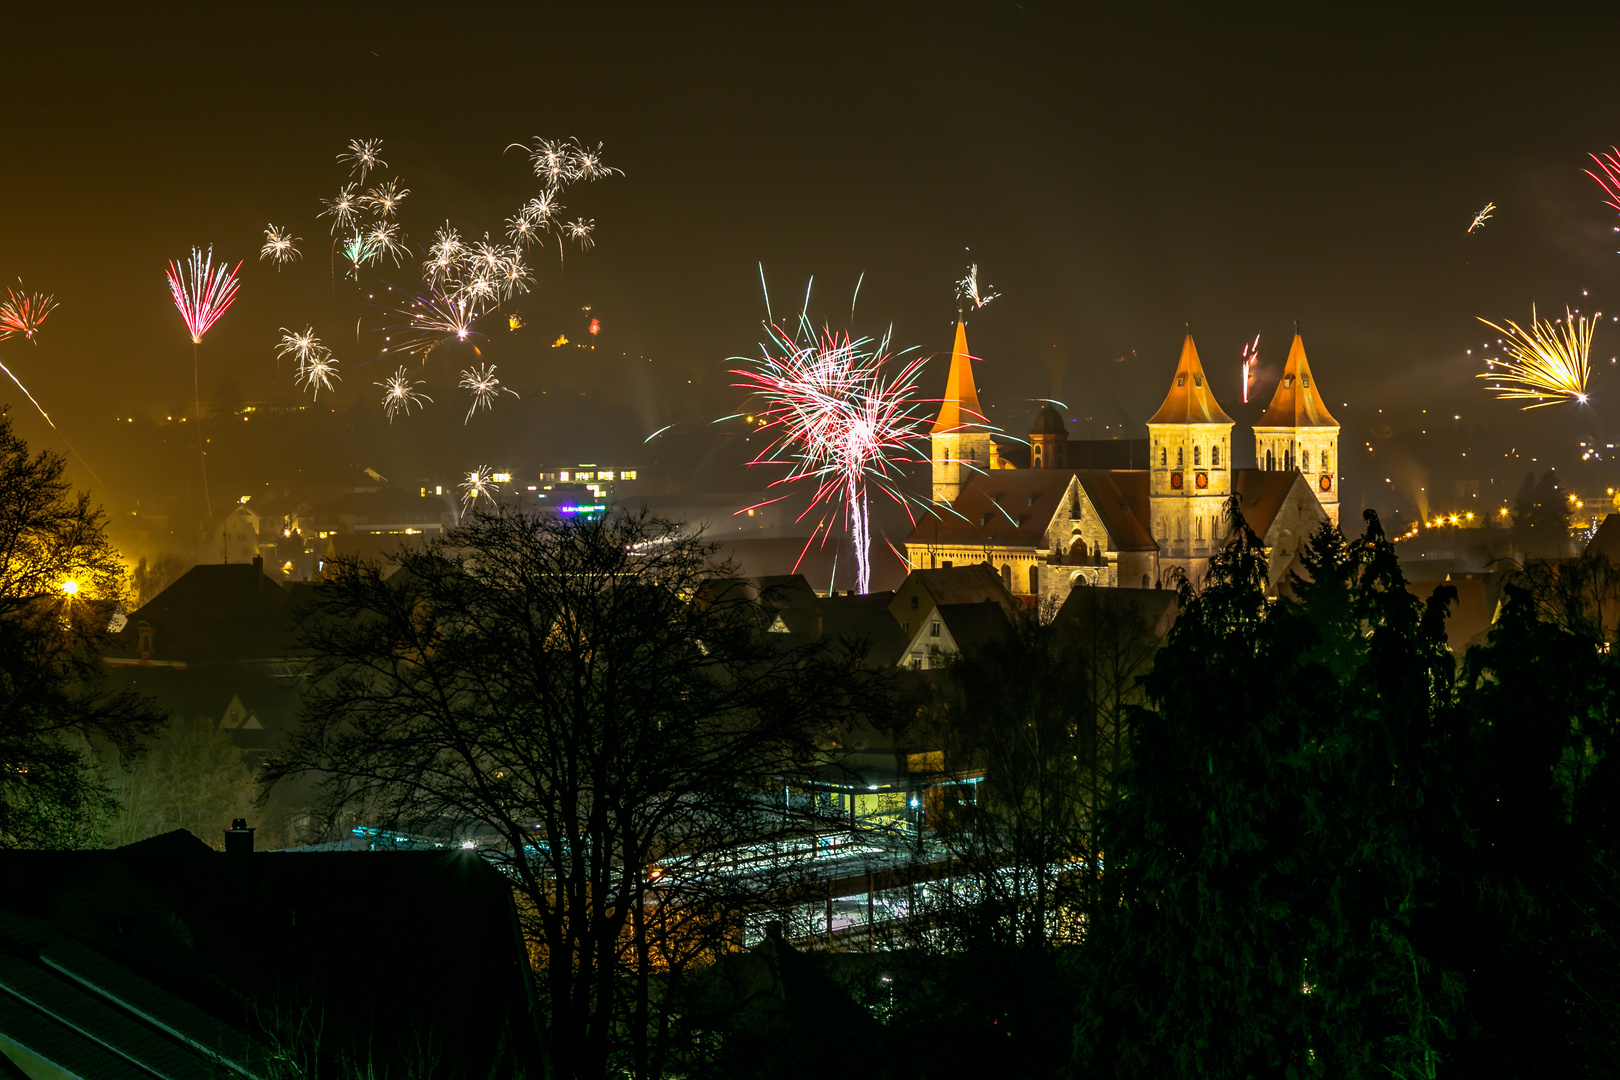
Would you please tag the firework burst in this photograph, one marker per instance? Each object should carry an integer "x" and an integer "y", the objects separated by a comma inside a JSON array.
[
  {"x": 22, "y": 313},
  {"x": 1609, "y": 165},
  {"x": 400, "y": 393},
  {"x": 431, "y": 320},
  {"x": 839, "y": 420},
  {"x": 581, "y": 230},
  {"x": 1546, "y": 363},
  {"x": 1482, "y": 217},
  {"x": 278, "y": 245},
  {"x": 479, "y": 484},
  {"x": 202, "y": 291},
  {"x": 968, "y": 289},
  {"x": 363, "y": 155},
  {"x": 384, "y": 199},
  {"x": 343, "y": 210},
  {"x": 317, "y": 372},
  {"x": 485, "y": 387},
  {"x": 298, "y": 344}
]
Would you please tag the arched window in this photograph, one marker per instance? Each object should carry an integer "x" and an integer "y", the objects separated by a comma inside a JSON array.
[
  {"x": 1215, "y": 457},
  {"x": 1164, "y": 456},
  {"x": 1198, "y": 524},
  {"x": 1198, "y": 456},
  {"x": 1035, "y": 579},
  {"x": 1271, "y": 463},
  {"x": 1305, "y": 459},
  {"x": 1326, "y": 458},
  {"x": 1180, "y": 457},
  {"x": 1006, "y": 577}
]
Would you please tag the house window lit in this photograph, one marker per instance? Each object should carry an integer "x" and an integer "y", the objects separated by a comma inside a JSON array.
[
  {"x": 627, "y": 474},
  {"x": 502, "y": 478}
]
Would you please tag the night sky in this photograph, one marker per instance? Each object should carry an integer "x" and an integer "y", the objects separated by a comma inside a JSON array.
[{"x": 1115, "y": 174}]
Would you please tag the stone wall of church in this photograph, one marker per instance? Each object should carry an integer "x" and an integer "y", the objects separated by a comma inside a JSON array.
[{"x": 1299, "y": 516}]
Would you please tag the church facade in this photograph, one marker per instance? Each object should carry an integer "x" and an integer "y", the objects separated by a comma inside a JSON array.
[{"x": 1048, "y": 528}]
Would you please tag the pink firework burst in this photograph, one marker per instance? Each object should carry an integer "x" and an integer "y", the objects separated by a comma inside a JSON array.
[
  {"x": 843, "y": 419},
  {"x": 21, "y": 313},
  {"x": 1609, "y": 181},
  {"x": 202, "y": 291}
]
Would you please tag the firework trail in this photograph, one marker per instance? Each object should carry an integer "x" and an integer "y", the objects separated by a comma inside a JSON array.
[
  {"x": 1251, "y": 357},
  {"x": 278, "y": 245},
  {"x": 968, "y": 289},
  {"x": 202, "y": 293},
  {"x": 485, "y": 387},
  {"x": 838, "y": 420},
  {"x": 1482, "y": 217},
  {"x": 1609, "y": 165},
  {"x": 400, "y": 393},
  {"x": 1546, "y": 363},
  {"x": 479, "y": 484},
  {"x": 363, "y": 155}
]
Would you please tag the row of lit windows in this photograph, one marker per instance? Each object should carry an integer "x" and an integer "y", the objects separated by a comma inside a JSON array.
[
  {"x": 579, "y": 476},
  {"x": 1198, "y": 457}
]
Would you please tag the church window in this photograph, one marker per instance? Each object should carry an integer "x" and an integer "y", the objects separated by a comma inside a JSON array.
[
  {"x": 1215, "y": 456},
  {"x": 1305, "y": 381},
  {"x": 1181, "y": 380},
  {"x": 1305, "y": 459},
  {"x": 1034, "y": 579},
  {"x": 1198, "y": 380},
  {"x": 1288, "y": 382},
  {"x": 1325, "y": 459},
  {"x": 145, "y": 630},
  {"x": 1198, "y": 455},
  {"x": 1006, "y": 577},
  {"x": 1144, "y": 581},
  {"x": 1164, "y": 455},
  {"x": 1198, "y": 524},
  {"x": 1179, "y": 457}
]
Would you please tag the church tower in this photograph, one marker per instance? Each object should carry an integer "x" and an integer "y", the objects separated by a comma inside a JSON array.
[
  {"x": 1297, "y": 432},
  {"x": 1048, "y": 440},
  {"x": 961, "y": 439},
  {"x": 1190, "y": 474}
]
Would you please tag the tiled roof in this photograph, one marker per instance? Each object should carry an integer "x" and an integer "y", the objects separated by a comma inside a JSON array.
[
  {"x": 1297, "y": 402},
  {"x": 1261, "y": 494},
  {"x": 1004, "y": 507},
  {"x": 1190, "y": 400},
  {"x": 1121, "y": 500}
]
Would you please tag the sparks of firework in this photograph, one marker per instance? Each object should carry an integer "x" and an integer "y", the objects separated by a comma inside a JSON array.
[
  {"x": 479, "y": 484},
  {"x": 560, "y": 162},
  {"x": 367, "y": 246},
  {"x": 21, "y": 313},
  {"x": 301, "y": 345},
  {"x": 430, "y": 320},
  {"x": 363, "y": 155},
  {"x": 968, "y": 289},
  {"x": 838, "y": 420},
  {"x": 1545, "y": 363},
  {"x": 542, "y": 209},
  {"x": 581, "y": 230},
  {"x": 278, "y": 245},
  {"x": 384, "y": 199},
  {"x": 1482, "y": 217},
  {"x": 318, "y": 372},
  {"x": 343, "y": 210},
  {"x": 514, "y": 321},
  {"x": 202, "y": 291},
  {"x": 485, "y": 387},
  {"x": 400, "y": 393},
  {"x": 1251, "y": 357},
  {"x": 1609, "y": 165}
]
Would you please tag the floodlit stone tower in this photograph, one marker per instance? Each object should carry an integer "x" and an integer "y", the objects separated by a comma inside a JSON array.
[
  {"x": 1297, "y": 432},
  {"x": 1191, "y": 469},
  {"x": 960, "y": 436},
  {"x": 1048, "y": 440}
]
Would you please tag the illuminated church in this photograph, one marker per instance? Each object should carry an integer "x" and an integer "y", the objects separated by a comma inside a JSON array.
[{"x": 1049, "y": 527}]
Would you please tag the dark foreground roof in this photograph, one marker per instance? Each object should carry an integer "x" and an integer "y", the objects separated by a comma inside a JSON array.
[{"x": 168, "y": 952}]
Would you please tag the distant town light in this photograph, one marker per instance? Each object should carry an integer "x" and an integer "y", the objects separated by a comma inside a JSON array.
[{"x": 70, "y": 587}]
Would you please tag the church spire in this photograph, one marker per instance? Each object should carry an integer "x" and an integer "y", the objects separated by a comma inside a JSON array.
[
  {"x": 1297, "y": 402},
  {"x": 1190, "y": 400},
  {"x": 959, "y": 408}
]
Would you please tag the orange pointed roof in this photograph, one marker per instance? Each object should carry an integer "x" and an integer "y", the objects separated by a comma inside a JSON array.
[
  {"x": 1297, "y": 402},
  {"x": 959, "y": 409},
  {"x": 1190, "y": 400}
]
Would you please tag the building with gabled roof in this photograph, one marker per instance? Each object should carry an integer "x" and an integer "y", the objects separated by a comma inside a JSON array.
[{"x": 1045, "y": 529}]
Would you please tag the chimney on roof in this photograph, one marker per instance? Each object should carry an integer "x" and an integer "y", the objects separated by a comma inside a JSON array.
[{"x": 238, "y": 839}]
